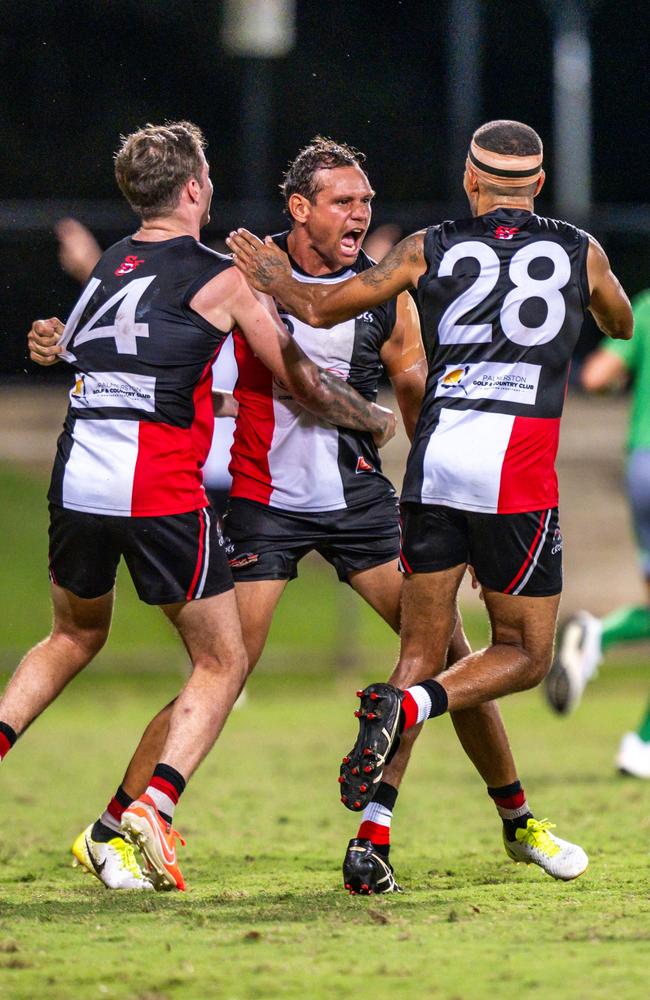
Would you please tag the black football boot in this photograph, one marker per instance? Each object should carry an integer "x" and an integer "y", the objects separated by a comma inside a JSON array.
[
  {"x": 377, "y": 743},
  {"x": 365, "y": 871}
]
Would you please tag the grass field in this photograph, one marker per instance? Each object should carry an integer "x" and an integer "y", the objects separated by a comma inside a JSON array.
[{"x": 264, "y": 915}]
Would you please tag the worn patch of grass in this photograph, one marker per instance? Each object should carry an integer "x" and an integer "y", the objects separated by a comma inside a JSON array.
[{"x": 264, "y": 915}]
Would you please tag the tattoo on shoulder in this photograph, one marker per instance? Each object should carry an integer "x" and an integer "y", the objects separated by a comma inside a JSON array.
[{"x": 409, "y": 250}]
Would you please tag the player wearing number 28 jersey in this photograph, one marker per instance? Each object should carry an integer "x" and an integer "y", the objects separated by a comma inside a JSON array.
[
  {"x": 502, "y": 296},
  {"x": 503, "y": 300}
]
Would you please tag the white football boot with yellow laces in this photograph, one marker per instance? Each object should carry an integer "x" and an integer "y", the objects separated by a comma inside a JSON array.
[
  {"x": 113, "y": 863},
  {"x": 536, "y": 846}
]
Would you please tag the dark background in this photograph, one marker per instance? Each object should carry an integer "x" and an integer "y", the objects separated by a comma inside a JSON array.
[{"x": 77, "y": 74}]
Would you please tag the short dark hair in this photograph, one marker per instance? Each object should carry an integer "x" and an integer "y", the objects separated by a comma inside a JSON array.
[
  {"x": 513, "y": 139},
  {"x": 320, "y": 154},
  {"x": 153, "y": 164}
]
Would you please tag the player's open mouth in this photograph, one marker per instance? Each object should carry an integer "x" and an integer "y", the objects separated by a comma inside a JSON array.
[{"x": 351, "y": 242}]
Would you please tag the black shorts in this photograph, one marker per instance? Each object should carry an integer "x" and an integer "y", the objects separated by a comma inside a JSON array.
[
  {"x": 266, "y": 543},
  {"x": 172, "y": 558},
  {"x": 510, "y": 553}
]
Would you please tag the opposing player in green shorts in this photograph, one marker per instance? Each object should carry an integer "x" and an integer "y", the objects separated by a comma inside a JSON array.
[{"x": 586, "y": 639}]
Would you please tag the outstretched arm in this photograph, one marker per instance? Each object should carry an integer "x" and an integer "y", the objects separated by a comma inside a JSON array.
[
  {"x": 267, "y": 268},
  {"x": 609, "y": 305},
  {"x": 227, "y": 301}
]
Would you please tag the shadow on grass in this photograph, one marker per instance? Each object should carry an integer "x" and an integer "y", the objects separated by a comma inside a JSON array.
[{"x": 436, "y": 896}]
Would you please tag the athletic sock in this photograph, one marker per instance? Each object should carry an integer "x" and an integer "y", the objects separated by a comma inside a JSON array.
[
  {"x": 422, "y": 701},
  {"x": 512, "y": 807},
  {"x": 627, "y": 624},
  {"x": 376, "y": 819},
  {"x": 8, "y": 737},
  {"x": 108, "y": 824},
  {"x": 644, "y": 726},
  {"x": 165, "y": 788}
]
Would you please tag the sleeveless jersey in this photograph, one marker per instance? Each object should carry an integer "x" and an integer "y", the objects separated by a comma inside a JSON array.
[
  {"x": 140, "y": 418},
  {"x": 502, "y": 303},
  {"x": 284, "y": 456}
]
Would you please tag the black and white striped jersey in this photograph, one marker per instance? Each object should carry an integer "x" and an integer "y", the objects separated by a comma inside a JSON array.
[{"x": 284, "y": 456}]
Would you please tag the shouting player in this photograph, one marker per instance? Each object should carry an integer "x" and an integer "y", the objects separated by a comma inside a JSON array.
[
  {"x": 503, "y": 295},
  {"x": 127, "y": 477}
]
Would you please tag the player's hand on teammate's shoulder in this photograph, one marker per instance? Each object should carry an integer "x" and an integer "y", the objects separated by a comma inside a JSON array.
[
  {"x": 43, "y": 341},
  {"x": 262, "y": 262},
  {"x": 390, "y": 426}
]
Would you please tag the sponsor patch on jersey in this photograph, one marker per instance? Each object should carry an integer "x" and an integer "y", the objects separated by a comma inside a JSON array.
[
  {"x": 514, "y": 383},
  {"x": 123, "y": 389}
]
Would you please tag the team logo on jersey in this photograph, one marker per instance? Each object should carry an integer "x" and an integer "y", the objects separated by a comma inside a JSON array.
[
  {"x": 364, "y": 466},
  {"x": 245, "y": 559},
  {"x": 454, "y": 379},
  {"x": 79, "y": 390},
  {"x": 514, "y": 383},
  {"x": 505, "y": 232},
  {"x": 128, "y": 264}
]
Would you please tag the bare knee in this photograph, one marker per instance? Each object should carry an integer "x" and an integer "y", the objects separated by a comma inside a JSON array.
[
  {"x": 233, "y": 664},
  {"x": 537, "y": 666},
  {"x": 541, "y": 664},
  {"x": 83, "y": 643}
]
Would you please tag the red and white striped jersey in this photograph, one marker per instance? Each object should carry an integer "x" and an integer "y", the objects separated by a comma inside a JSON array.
[
  {"x": 284, "y": 456},
  {"x": 502, "y": 304},
  {"x": 140, "y": 419}
]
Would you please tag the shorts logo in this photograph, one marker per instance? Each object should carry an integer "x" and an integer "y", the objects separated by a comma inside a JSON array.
[
  {"x": 557, "y": 542},
  {"x": 97, "y": 390},
  {"x": 364, "y": 466},
  {"x": 512, "y": 383},
  {"x": 505, "y": 232},
  {"x": 128, "y": 264},
  {"x": 245, "y": 559}
]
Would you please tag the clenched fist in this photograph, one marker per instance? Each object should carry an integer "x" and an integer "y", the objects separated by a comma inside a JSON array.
[{"x": 43, "y": 341}]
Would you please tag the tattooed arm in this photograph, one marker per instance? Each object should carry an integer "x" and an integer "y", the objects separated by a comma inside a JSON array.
[
  {"x": 267, "y": 268},
  {"x": 227, "y": 301}
]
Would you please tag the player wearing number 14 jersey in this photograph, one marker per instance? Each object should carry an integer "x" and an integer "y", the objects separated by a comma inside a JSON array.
[
  {"x": 502, "y": 295},
  {"x": 127, "y": 480}
]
